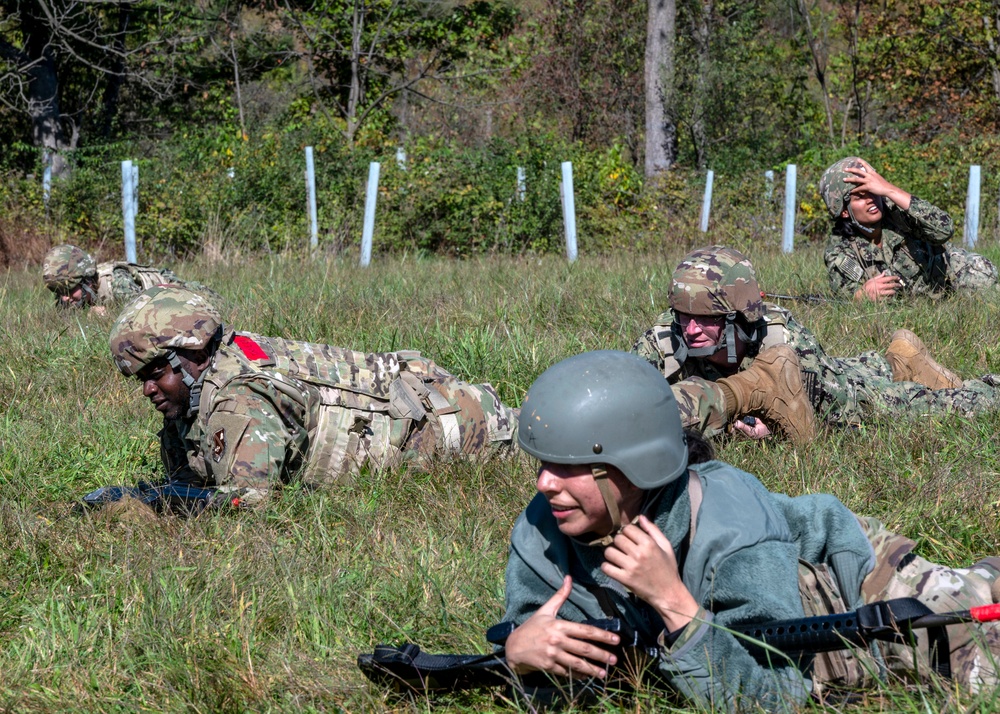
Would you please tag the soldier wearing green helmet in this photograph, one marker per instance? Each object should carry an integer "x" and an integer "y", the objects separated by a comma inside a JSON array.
[
  {"x": 730, "y": 354},
  {"x": 886, "y": 241},
  {"x": 244, "y": 413},
  {"x": 634, "y": 520},
  {"x": 79, "y": 281}
]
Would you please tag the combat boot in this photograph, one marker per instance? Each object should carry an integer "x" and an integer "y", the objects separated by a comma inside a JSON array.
[
  {"x": 911, "y": 362},
  {"x": 772, "y": 390}
]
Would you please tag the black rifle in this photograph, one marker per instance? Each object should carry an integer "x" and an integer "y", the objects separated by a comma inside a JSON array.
[
  {"x": 166, "y": 497},
  {"x": 406, "y": 667}
]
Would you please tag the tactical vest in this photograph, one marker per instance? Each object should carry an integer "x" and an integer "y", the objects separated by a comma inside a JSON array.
[
  {"x": 775, "y": 318},
  {"x": 144, "y": 275},
  {"x": 359, "y": 406}
]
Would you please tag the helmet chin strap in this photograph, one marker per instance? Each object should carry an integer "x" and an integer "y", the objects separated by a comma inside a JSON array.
[
  {"x": 854, "y": 221},
  {"x": 732, "y": 330},
  {"x": 601, "y": 477}
]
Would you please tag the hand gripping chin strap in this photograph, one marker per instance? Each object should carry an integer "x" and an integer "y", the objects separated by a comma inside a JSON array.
[{"x": 601, "y": 477}]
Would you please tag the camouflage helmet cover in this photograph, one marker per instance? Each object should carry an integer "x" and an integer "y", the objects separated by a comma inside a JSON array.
[
  {"x": 157, "y": 322},
  {"x": 605, "y": 407},
  {"x": 716, "y": 281},
  {"x": 65, "y": 266},
  {"x": 832, "y": 187}
]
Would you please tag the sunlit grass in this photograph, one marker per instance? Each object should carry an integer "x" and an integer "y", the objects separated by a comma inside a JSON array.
[{"x": 268, "y": 610}]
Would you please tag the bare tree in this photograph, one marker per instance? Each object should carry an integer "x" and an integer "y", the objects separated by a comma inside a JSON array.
[
  {"x": 62, "y": 55},
  {"x": 817, "y": 42},
  {"x": 363, "y": 54},
  {"x": 661, "y": 127}
]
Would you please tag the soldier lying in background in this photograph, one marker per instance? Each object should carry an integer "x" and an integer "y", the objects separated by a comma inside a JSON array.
[
  {"x": 78, "y": 280},
  {"x": 728, "y": 354},
  {"x": 885, "y": 241},
  {"x": 244, "y": 413}
]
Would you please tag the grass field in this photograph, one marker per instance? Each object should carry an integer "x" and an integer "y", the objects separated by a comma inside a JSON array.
[{"x": 267, "y": 610}]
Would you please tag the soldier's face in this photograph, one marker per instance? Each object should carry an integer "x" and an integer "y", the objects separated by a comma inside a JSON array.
[
  {"x": 77, "y": 297},
  {"x": 700, "y": 331},
  {"x": 867, "y": 209},
  {"x": 576, "y": 500},
  {"x": 164, "y": 387}
]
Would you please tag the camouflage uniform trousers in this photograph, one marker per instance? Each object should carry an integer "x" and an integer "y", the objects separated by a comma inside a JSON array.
[
  {"x": 469, "y": 420},
  {"x": 970, "y": 271},
  {"x": 974, "y": 649}
]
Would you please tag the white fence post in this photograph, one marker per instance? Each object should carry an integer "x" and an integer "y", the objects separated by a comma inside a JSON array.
[
  {"x": 788, "y": 232},
  {"x": 47, "y": 177},
  {"x": 521, "y": 185},
  {"x": 706, "y": 203},
  {"x": 401, "y": 158},
  {"x": 371, "y": 196},
  {"x": 972, "y": 208},
  {"x": 129, "y": 180},
  {"x": 768, "y": 185},
  {"x": 311, "y": 198},
  {"x": 569, "y": 210}
]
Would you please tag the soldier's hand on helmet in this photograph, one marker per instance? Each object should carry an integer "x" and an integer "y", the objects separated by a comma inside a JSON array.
[
  {"x": 870, "y": 181},
  {"x": 757, "y": 430},
  {"x": 642, "y": 559},
  {"x": 881, "y": 286},
  {"x": 560, "y": 647}
]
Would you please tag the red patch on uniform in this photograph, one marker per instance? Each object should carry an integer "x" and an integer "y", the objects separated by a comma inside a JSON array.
[
  {"x": 218, "y": 445},
  {"x": 250, "y": 348}
]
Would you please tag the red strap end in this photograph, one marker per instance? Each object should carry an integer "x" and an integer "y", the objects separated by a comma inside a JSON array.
[{"x": 985, "y": 613}]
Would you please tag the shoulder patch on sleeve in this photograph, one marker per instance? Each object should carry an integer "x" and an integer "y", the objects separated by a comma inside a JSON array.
[{"x": 251, "y": 350}]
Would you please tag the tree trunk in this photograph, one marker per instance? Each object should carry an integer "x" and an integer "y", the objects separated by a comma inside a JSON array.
[
  {"x": 992, "y": 25},
  {"x": 701, "y": 18},
  {"x": 819, "y": 63},
  {"x": 661, "y": 129},
  {"x": 43, "y": 93},
  {"x": 354, "y": 97}
]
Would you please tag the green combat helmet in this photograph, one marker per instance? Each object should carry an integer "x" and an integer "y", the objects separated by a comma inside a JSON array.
[
  {"x": 836, "y": 192},
  {"x": 605, "y": 408},
  {"x": 65, "y": 267},
  {"x": 715, "y": 282},
  {"x": 158, "y": 322}
]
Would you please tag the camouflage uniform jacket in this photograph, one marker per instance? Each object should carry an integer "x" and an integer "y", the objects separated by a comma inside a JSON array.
[
  {"x": 119, "y": 282},
  {"x": 740, "y": 565},
  {"x": 271, "y": 410},
  {"x": 912, "y": 248}
]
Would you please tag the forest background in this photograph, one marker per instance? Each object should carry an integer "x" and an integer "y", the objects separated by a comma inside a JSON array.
[{"x": 216, "y": 100}]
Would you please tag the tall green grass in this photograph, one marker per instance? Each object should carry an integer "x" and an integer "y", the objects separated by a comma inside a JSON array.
[{"x": 267, "y": 610}]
